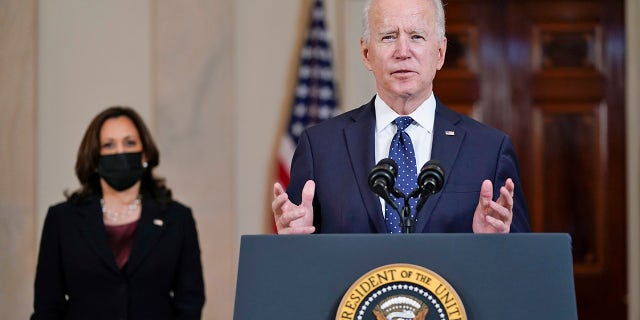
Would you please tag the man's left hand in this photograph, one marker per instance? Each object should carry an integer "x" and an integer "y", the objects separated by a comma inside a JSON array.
[{"x": 494, "y": 216}]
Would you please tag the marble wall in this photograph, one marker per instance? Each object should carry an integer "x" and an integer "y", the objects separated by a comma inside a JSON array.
[{"x": 213, "y": 79}]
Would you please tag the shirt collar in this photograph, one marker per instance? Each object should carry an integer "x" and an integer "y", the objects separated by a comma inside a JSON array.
[{"x": 424, "y": 115}]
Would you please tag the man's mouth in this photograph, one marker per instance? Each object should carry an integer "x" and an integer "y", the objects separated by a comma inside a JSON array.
[{"x": 402, "y": 72}]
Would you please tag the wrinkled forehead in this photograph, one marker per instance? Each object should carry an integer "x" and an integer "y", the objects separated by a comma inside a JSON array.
[{"x": 399, "y": 14}]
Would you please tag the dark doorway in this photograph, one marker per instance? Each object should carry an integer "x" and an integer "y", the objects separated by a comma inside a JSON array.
[{"x": 551, "y": 74}]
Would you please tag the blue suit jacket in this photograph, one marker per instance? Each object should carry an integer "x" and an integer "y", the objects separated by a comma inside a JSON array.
[{"x": 338, "y": 155}]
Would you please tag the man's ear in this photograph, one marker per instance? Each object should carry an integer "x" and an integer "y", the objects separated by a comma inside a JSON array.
[
  {"x": 364, "y": 52},
  {"x": 442, "y": 50}
]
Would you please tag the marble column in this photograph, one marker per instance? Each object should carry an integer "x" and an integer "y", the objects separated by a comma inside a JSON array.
[
  {"x": 195, "y": 117},
  {"x": 632, "y": 10},
  {"x": 17, "y": 156}
]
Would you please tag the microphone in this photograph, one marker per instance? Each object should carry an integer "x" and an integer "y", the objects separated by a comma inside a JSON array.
[
  {"x": 382, "y": 178},
  {"x": 430, "y": 181}
]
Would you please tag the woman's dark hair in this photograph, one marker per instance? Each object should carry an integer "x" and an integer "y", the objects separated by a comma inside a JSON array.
[{"x": 89, "y": 155}]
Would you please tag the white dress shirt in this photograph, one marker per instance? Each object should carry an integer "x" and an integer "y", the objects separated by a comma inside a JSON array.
[{"x": 420, "y": 131}]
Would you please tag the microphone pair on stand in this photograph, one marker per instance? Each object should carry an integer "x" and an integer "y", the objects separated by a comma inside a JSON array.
[{"x": 382, "y": 181}]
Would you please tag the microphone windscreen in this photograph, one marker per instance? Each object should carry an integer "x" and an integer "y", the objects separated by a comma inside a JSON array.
[{"x": 431, "y": 172}]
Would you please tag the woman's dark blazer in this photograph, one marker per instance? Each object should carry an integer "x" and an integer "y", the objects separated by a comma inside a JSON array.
[{"x": 77, "y": 276}]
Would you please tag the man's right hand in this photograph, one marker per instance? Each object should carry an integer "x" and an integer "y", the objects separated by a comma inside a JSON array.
[{"x": 291, "y": 218}]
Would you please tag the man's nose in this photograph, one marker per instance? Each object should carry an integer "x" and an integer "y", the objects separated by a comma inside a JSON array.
[{"x": 402, "y": 48}]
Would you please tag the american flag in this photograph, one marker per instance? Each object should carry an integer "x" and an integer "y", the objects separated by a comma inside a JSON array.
[{"x": 315, "y": 96}]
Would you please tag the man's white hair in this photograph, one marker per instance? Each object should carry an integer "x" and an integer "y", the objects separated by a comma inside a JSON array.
[{"x": 439, "y": 15}]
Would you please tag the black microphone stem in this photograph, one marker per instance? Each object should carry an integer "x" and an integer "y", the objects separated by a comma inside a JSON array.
[
  {"x": 423, "y": 198},
  {"x": 407, "y": 222}
]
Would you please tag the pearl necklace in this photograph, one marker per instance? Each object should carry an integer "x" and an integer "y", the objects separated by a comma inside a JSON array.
[{"x": 115, "y": 217}]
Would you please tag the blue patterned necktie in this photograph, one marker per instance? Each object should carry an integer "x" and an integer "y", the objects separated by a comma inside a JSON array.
[{"x": 401, "y": 151}]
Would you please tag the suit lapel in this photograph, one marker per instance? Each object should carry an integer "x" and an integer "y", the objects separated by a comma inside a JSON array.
[
  {"x": 447, "y": 139},
  {"x": 92, "y": 228},
  {"x": 360, "y": 138},
  {"x": 151, "y": 225}
]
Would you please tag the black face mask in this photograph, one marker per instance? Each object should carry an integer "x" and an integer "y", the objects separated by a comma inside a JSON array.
[{"x": 121, "y": 170}]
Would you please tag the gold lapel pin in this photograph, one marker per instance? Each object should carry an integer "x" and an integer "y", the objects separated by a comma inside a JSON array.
[{"x": 158, "y": 222}]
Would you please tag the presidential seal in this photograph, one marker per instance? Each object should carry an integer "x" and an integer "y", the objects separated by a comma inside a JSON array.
[{"x": 401, "y": 291}]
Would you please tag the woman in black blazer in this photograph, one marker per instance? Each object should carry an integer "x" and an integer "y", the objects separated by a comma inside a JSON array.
[{"x": 120, "y": 247}]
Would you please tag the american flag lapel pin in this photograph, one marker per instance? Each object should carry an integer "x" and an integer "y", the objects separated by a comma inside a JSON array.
[
  {"x": 450, "y": 133},
  {"x": 158, "y": 222}
]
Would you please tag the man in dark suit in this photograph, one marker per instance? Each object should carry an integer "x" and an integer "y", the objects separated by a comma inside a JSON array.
[{"x": 403, "y": 45}]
